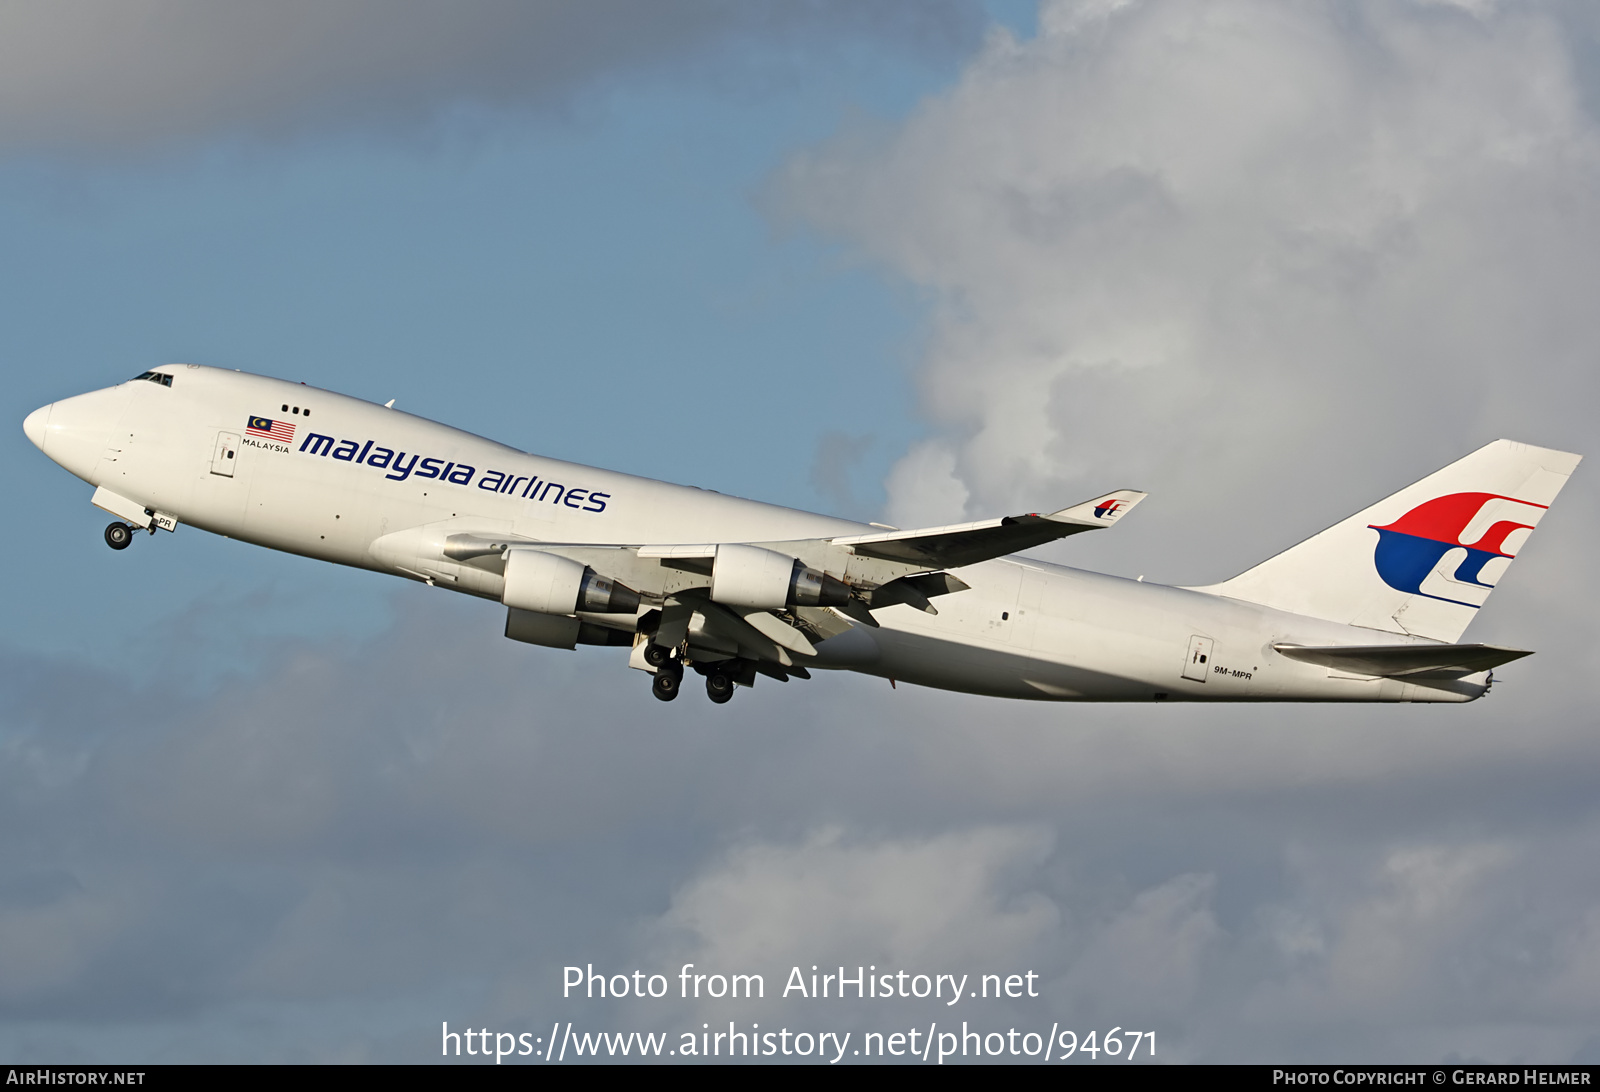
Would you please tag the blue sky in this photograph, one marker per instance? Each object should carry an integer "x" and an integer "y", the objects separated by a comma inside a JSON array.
[{"x": 592, "y": 278}]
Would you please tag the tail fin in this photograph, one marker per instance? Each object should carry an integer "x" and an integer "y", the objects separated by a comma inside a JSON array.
[{"x": 1424, "y": 560}]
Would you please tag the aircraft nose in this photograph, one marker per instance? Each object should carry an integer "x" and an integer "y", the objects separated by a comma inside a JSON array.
[
  {"x": 74, "y": 431},
  {"x": 36, "y": 423}
]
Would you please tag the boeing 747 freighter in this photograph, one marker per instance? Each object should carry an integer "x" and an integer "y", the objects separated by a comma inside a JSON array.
[{"x": 1371, "y": 609}]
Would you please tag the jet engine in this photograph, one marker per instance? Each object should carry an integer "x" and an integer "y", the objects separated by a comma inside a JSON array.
[
  {"x": 750, "y": 576},
  {"x": 550, "y": 584}
]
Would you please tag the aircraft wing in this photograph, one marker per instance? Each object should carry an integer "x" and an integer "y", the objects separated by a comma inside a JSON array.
[
  {"x": 862, "y": 561},
  {"x": 1404, "y": 661},
  {"x": 969, "y": 543},
  {"x": 849, "y": 576}
]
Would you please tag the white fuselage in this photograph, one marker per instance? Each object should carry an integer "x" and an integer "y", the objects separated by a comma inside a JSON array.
[{"x": 368, "y": 486}]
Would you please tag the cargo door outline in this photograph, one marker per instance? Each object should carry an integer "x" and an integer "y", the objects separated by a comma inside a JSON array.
[
  {"x": 225, "y": 454},
  {"x": 1197, "y": 665},
  {"x": 1030, "y": 602}
]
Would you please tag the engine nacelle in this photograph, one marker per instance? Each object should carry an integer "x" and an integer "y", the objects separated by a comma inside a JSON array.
[
  {"x": 750, "y": 576},
  {"x": 550, "y": 584},
  {"x": 559, "y": 631}
]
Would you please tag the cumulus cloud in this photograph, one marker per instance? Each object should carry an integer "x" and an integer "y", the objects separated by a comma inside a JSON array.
[
  {"x": 97, "y": 74},
  {"x": 900, "y": 903},
  {"x": 1150, "y": 956},
  {"x": 1226, "y": 250},
  {"x": 1273, "y": 261},
  {"x": 1465, "y": 945}
]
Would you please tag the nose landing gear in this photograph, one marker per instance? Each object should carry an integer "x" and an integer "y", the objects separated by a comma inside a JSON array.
[{"x": 119, "y": 536}]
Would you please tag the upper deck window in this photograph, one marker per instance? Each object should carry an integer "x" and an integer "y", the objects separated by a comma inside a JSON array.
[{"x": 155, "y": 377}]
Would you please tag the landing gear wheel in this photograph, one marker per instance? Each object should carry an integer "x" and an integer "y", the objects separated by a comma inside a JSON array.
[
  {"x": 655, "y": 655},
  {"x": 119, "y": 536},
  {"x": 719, "y": 687},
  {"x": 666, "y": 685}
]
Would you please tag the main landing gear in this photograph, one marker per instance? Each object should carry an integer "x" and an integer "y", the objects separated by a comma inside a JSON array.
[
  {"x": 667, "y": 683},
  {"x": 119, "y": 536},
  {"x": 719, "y": 686},
  {"x": 668, "y": 679}
]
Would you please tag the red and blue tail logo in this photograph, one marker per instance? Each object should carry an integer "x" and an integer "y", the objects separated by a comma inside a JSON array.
[
  {"x": 1107, "y": 508},
  {"x": 1410, "y": 548}
]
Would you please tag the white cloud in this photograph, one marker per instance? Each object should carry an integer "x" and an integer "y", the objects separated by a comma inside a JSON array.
[
  {"x": 1237, "y": 252},
  {"x": 1422, "y": 901},
  {"x": 1476, "y": 946},
  {"x": 1273, "y": 261},
  {"x": 1150, "y": 957},
  {"x": 935, "y": 903}
]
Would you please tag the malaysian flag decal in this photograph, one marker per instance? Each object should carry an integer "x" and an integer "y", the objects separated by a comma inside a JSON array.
[{"x": 281, "y": 431}]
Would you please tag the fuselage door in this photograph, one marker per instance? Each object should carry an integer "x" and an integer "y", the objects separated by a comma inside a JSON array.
[
  {"x": 226, "y": 454},
  {"x": 1198, "y": 665},
  {"x": 1030, "y": 604}
]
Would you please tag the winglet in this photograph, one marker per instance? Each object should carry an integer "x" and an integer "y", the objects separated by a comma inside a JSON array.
[{"x": 1102, "y": 511}]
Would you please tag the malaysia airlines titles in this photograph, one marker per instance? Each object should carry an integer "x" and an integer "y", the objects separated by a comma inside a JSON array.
[{"x": 400, "y": 465}]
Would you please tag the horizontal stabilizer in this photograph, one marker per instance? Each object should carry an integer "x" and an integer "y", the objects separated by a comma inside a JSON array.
[
  {"x": 969, "y": 543},
  {"x": 1404, "y": 661}
]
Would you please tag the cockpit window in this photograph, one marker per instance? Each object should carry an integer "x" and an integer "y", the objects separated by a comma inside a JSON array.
[{"x": 155, "y": 377}]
